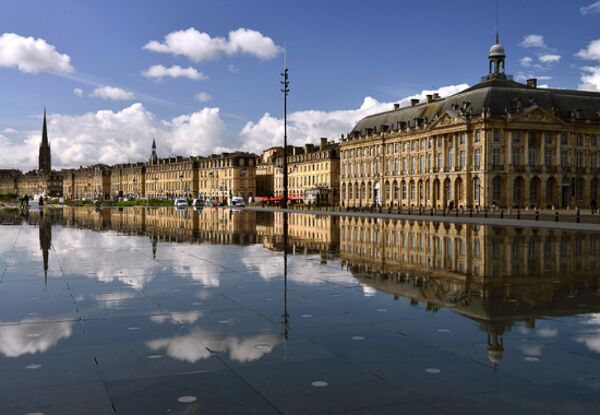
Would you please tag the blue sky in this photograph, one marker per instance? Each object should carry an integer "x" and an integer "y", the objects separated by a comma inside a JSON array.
[{"x": 340, "y": 52}]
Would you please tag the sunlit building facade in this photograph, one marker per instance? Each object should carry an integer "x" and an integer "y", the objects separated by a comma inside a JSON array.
[{"x": 498, "y": 143}]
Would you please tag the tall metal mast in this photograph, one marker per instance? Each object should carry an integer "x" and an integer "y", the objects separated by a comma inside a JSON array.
[{"x": 285, "y": 91}]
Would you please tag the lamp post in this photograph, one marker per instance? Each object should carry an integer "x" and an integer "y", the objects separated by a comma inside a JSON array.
[{"x": 285, "y": 90}]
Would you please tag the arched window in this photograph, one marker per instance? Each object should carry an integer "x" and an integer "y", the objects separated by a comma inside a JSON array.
[
  {"x": 497, "y": 189},
  {"x": 344, "y": 191},
  {"x": 396, "y": 190},
  {"x": 403, "y": 190},
  {"x": 412, "y": 190}
]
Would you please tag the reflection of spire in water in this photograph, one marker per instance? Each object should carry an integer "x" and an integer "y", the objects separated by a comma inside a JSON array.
[
  {"x": 45, "y": 230},
  {"x": 154, "y": 245},
  {"x": 285, "y": 316},
  {"x": 495, "y": 343}
]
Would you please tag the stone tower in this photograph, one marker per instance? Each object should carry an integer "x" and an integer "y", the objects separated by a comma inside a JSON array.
[
  {"x": 44, "y": 159},
  {"x": 154, "y": 156}
]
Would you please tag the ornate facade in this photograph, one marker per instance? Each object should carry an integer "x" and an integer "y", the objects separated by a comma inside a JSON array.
[
  {"x": 92, "y": 182},
  {"x": 128, "y": 180},
  {"x": 221, "y": 176},
  {"x": 171, "y": 177},
  {"x": 313, "y": 174},
  {"x": 499, "y": 142}
]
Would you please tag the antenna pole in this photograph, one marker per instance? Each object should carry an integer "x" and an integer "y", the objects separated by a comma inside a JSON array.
[
  {"x": 497, "y": 21},
  {"x": 285, "y": 90}
]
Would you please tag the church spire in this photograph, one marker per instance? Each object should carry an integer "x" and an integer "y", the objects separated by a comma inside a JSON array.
[
  {"x": 153, "y": 156},
  {"x": 44, "y": 158}
]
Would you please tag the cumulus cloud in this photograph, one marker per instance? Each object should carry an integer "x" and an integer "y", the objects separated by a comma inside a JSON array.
[
  {"x": 112, "y": 93},
  {"x": 78, "y": 92},
  {"x": 549, "y": 58},
  {"x": 590, "y": 79},
  {"x": 591, "y": 52},
  {"x": 591, "y": 9},
  {"x": 199, "y": 46},
  {"x": 175, "y": 71},
  {"x": 308, "y": 126},
  {"x": 113, "y": 137},
  {"x": 202, "y": 97},
  {"x": 526, "y": 61},
  {"x": 533, "y": 41},
  {"x": 32, "y": 55}
]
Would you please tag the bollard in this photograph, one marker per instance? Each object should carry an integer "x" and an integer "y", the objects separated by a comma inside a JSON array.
[
  {"x": 444, "y": 212},
  {"x": 485, "y": 213},
  {"x": 456, "y": 213},
  {"x": 537, "y": 215},
  {"x": 501, "y": 213},
  {"x": 471, "y": 212},
  {"x": 556, "y": 216},
  {"x": 389, "y": 210},
  {"x": 518, "y": 214},
  {"x": 431, "y": 213},
  {"x": 409, "y": 209}
]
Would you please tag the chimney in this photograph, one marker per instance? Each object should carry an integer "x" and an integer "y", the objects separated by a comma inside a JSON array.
[
  {"x": 414, "y": 102},
  {"x": 436, "y": 96},
  {"x": 532, "y": 83},
  {"x": 396, "y": 106},
  {"x": 429, "y": 98},
  {"x": 323, "y": 142}
]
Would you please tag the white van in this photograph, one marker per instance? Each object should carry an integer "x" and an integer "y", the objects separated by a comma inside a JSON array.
[
  {"x": 237, "y": 201},
  {"x": 181, "y": 203}
]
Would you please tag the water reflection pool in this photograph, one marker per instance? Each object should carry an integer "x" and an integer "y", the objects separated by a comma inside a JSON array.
[{"x": 153, "y": 311}]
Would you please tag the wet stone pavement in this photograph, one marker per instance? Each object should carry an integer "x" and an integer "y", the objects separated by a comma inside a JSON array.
[{"x": 97, "y": 318}]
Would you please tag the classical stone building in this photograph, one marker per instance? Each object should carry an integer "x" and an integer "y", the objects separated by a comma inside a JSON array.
[
  {"x": 313, "y": 174},
  {"x": 498, "y": 142},
  {"x": 92, "y": 182},
  {"x": 171, "y": 177},
  {"x": 265, "y": 172},
  {"x": 8, "y": 181},
  {"x": 221, "y": 176},
  {"x": 128, "y": 180}
]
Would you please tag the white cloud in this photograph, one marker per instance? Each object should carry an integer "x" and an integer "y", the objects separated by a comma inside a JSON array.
[
  {"x": 549, "y": 58},
  {"x": 113, "y": 137},
  {"x": 533, "y": 41},
  {"x": 176, "y": 71},
  {"x": 32, "y": 55},
  {"x": 591, "y": 52},
  {"x": 591, "y": 9},
  {"x": 78, "y": 92},
  {"x": 232, "y": 68},
  {"x": 590, "y": 79},
  {"x": 308, "y": 126},
  {"x": 526, "y": 61},
  {"x": 200, "y": 46},
  {"x": 202, "y": 97},
  {"x": 112, "y": 93}
]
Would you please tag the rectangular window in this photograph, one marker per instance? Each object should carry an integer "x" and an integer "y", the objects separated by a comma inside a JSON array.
[
  {"x": 594, "y": 160},
  {"x": 439, "y": 160},
  {"x": 548, "y": 139},
  {"x": 412, "y": 145},
  {"x": 563, "y": 139},
  {"x": 497, "y": 136},
  {"x": 516, "y": 136},
  {"x": 461, "y": 159},
  {"x": 477, "y": 136},
  {"x": 564, "y": 158},
  {"x": 462, "y": 138},
  {"x": 476, "y": 159},
  {"x": 579, "y": 139},
  {"x": 579, "y": 159},
  {"x": 548, "y": 158},
  {"x": 422, "y": 163},
  {"x": 496, "y": 157},
  {"x": 440, "y": 142},
  {"x": 516, "y": 157},
  {"x": 594, "y": 140}
]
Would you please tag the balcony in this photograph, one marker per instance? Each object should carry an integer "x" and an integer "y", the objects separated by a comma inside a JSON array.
[
  {"x": 497, "y": 167},
  {"x": 519, "y": 168}
]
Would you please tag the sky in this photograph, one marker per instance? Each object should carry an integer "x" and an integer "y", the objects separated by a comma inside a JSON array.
[{"x": 204, "y": 76}]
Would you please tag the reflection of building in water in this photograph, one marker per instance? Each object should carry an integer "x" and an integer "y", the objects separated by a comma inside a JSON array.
[
  {"x": 307, "y": 233},
  {"x": 494, "y": 276}
]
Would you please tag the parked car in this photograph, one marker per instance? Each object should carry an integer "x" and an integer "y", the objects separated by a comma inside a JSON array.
[
  {"x": 237, "y": 201},
  {"x": 198, "y": 203},
  {"x": 181, "y": 203}
]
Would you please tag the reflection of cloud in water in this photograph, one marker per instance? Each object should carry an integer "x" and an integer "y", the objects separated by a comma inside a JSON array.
[
  {"x": 187, "y": 317},
  {"x": 257, "y": 258},
  {"x": 193, "y": 346},
  {"x": 109, "y": 257},
  {"x": 32, "y": 337},
  {"x": 546, "y": 333},
  {"x": 591, "y": 340},
  {"x": 114, "y": 299},
  {"x": 368, "y": 291},
  {"x": 530, "y": 349}
]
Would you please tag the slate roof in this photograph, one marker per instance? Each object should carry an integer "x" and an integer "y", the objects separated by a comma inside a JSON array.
[{"x": 497, "y": 95}]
